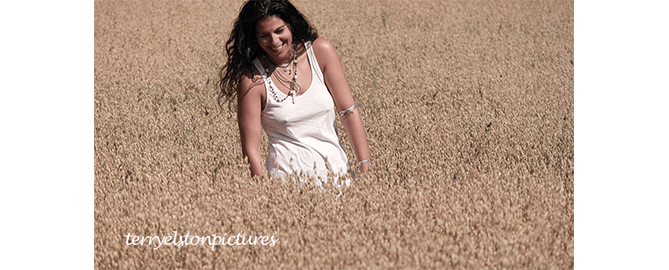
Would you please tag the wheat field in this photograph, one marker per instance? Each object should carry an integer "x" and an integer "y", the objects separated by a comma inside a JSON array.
[{"x": 469, "y": 111}]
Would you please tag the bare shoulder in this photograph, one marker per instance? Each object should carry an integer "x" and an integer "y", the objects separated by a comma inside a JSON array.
[
  {"x": 251, "y": 86},
  {"x": 248, "y": 79},
  {"x": 323, "y": 47},
  {"x": 325, "y": 52},
  {"x": 322, "y": 44}
]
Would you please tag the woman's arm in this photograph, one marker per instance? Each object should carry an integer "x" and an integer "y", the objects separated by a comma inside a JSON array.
[
  {"x": 335, "y": 79},
  {"x": 249, "y": 102}
]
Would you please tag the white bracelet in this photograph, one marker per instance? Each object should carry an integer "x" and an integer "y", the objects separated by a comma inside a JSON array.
[
  {"x": 349, "y": 110},
  {"x": 364, "y": 161}
]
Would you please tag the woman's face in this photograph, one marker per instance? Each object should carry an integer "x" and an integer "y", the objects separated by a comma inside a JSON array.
[{"x": 275, "y": 37}]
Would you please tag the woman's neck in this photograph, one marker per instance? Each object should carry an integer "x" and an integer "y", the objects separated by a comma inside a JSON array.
[
  {"x": 287, "y": 59},
  {"x": 280, "y": 62}
]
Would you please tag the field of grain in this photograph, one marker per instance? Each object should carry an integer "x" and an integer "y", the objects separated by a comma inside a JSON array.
[{"x": 469, "y": 107}]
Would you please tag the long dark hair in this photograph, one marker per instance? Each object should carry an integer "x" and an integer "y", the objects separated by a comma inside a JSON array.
[{"x": 242, "y": 46}]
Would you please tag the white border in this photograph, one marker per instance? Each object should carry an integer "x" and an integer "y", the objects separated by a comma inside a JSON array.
[
  {"x": 621, "y": 144},
  {"x": 47, "y": 139}
]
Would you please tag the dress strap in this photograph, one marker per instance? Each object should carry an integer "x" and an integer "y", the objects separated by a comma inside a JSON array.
[
  {"x": 266, "y": 80},
  {"x": 260, "y": 68},
  {"x": 315, "y": 68}
]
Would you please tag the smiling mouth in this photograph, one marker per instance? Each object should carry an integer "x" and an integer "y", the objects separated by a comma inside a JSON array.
[{"x": 276, "y": 49}]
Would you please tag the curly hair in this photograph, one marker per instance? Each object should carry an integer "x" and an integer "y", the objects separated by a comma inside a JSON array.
[{"x": 242, "y": 46}]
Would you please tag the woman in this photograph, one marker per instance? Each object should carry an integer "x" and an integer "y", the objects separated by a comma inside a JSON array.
[{"x": 270, "y": 44}]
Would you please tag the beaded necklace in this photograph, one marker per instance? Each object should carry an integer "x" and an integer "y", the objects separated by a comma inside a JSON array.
[{"x": 294, "y": 87}]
